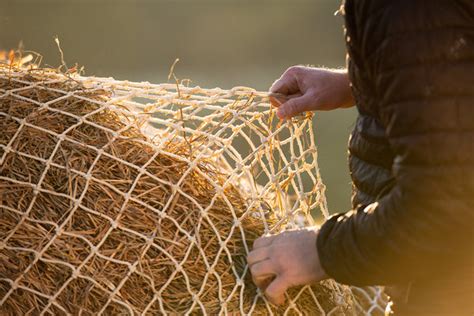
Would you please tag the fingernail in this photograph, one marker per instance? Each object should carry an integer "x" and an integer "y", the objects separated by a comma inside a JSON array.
[{"x": 281, "y": 113}]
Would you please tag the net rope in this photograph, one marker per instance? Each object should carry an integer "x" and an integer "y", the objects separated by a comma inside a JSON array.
[{"x": 272, "y": 164}]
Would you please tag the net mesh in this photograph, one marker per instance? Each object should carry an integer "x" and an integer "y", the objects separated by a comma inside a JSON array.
[{"x": 119, "y": 197}]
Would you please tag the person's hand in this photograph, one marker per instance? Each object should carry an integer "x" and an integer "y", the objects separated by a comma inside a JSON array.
[
  {"x": 285, "y": 260},
  {"x": 302, "y": 89}
]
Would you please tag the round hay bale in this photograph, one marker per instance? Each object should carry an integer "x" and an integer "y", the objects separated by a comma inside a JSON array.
[{"x": 96, "y": 217}]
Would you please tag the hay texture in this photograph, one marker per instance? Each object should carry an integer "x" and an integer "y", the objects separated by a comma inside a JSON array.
[{"x": 128, "y": 198}]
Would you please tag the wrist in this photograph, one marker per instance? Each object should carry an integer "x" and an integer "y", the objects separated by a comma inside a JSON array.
[
  {"x": 313, "y": 271},
  {"x": 320, "y": 273},
  {"x": 344, "y": 87}
]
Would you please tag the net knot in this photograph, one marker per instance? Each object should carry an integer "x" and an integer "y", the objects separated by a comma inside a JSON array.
[
  {"x": 236, "y": 223},
  {"x": 132, "y": 268},
  {"x": 192, "y": 239},
  {"x": 240, "y": 282}
]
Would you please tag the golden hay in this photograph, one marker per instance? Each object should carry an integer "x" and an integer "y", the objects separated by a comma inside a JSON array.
[{"x": 77, "y": 244}]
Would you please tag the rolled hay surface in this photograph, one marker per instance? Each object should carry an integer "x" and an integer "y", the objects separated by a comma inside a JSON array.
[{"x": 132, "y": 198}]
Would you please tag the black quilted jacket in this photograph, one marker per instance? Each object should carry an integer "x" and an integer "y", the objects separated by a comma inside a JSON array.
[{"x": 411, "y": 63}]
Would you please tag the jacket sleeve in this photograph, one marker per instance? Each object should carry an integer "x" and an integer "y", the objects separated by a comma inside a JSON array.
[{"x": 422, "y": 71}]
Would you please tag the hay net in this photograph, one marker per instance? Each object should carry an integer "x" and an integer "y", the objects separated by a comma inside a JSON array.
[{"x": 119, "y": 197}]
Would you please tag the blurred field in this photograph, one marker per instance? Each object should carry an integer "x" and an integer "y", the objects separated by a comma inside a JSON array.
[{"x": 220, "y": 43}]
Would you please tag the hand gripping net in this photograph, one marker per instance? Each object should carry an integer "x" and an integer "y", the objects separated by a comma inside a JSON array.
[{"x": 135, "y": 198}]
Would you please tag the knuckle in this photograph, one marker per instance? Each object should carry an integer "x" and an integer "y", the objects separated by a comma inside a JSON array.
[
  {"x": 312, "y": 92},
  {"x": 295, "y": 68},
  {"x": 277, "y": 257},
  {"x": 292, "y": 70}
]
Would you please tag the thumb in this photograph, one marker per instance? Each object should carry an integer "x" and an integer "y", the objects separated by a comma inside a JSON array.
[
  {"x": 295, "y": 106},
  {"x": 275, "y": 292}
]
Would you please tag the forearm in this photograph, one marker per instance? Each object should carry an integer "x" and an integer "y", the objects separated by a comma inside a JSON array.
[{"x": 399, "y": 239}]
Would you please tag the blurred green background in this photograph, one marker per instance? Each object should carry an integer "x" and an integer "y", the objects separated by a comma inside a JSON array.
[{"x": 219, "y": 42}]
